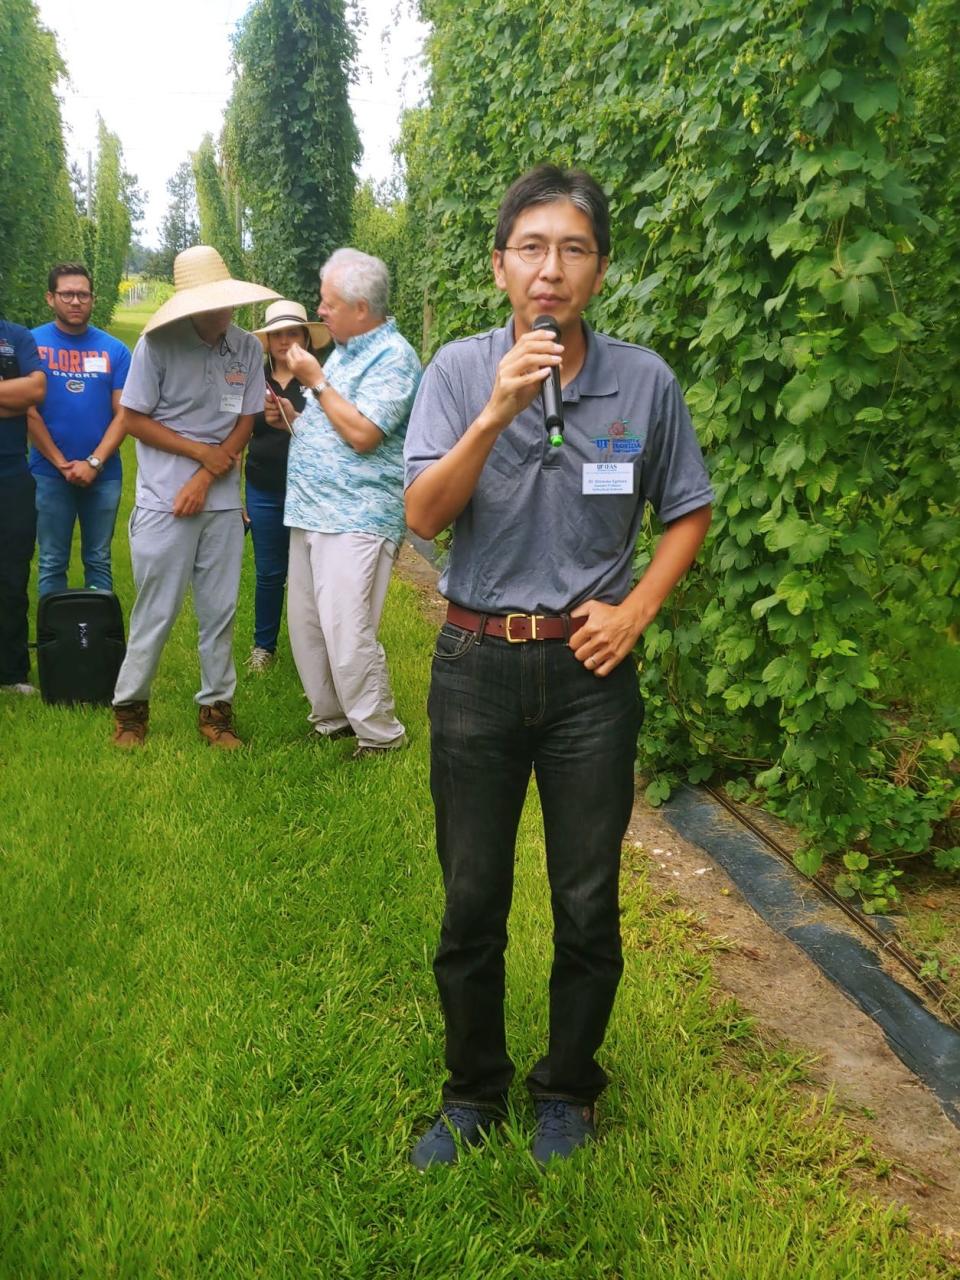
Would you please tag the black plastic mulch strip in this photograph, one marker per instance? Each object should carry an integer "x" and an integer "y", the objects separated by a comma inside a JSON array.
[{"x": 792, "y": 906}]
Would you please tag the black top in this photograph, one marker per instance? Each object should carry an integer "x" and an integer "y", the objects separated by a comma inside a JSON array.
[{"x": 267, "y": 454}]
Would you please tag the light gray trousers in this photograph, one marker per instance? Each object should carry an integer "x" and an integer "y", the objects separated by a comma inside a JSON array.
[
  {"x": 169, "y": 554},
  {"x": 336, "y": 586}
]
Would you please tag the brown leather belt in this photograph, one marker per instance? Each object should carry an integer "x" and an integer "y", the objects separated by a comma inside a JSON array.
[{"x": 516, "y": 627}]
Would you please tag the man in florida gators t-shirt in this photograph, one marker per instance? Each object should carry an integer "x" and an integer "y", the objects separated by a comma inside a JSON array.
[{"x": 75, "y": 434}]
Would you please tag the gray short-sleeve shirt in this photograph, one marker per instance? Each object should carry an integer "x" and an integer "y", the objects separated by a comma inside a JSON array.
[
  {"x": 198, "y": 391},
  {"x": 530, "y": 540}
]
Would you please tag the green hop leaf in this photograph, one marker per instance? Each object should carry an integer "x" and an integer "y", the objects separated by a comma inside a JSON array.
[
  {"x": 802, "y": 398},
  {"x": 856, "y": 861}
]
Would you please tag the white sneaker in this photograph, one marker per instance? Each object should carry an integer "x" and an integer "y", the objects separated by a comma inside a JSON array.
[
  {"x": 260, "y": 660},
  {"x": 23, "y": 687}
]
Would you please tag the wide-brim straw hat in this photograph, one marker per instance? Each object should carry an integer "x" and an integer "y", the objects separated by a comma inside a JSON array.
[
  {"x": 203, "y": 283},
  {"x": 291, "y": 315}
]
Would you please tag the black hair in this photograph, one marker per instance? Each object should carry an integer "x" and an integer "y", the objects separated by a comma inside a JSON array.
[
  {"x": 546, "y": 183},
  {"x": 67, "y": 269}
]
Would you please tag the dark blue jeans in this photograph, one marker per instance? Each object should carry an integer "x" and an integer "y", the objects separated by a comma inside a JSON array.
[
  {"x": 498, "y": 711},
  {"x": 271, "y": 550},
  {"x": 60, "y": 505},
  {"x": 18, "y": 531}
]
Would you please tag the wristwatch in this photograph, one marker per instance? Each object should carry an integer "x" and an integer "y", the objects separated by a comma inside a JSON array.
[
  {"x": 94, "y": 461},
  {"x": 320, "y": 387}
]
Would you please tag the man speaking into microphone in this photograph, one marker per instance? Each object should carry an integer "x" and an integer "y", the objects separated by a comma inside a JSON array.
[{"x": 533, "y": 669}]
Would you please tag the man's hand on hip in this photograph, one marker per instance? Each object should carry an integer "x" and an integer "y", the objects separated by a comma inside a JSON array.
[
  {"x": 608, "y": 635},
  {"x": 611, "y": 631}
]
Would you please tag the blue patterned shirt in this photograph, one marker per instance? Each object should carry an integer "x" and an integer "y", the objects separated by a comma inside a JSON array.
[{"x": 330, "y": 487}]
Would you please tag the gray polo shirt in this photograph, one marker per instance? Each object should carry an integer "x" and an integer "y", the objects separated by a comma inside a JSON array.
[
  {"x": 198, "y": 391},
  {"x": 530, "y": 540}
]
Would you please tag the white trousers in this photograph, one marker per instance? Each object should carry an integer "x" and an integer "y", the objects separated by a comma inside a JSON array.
[{"x": 336, "y": 586}]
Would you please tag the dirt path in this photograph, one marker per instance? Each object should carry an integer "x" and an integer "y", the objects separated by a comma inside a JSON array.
[{"x": 794, "y": 1004}]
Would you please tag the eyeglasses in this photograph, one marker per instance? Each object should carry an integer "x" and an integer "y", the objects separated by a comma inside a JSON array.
[
  {"x": 535, "y": 252},
  {"x": 74, "y": 295}
]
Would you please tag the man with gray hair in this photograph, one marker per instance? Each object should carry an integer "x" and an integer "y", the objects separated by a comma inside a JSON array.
[{"x": 344, "y": 502}]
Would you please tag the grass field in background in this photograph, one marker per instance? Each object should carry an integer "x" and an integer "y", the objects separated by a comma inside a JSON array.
[
  {"x": 128, "y": 321},
  {"x": 219, "y": 1032}
]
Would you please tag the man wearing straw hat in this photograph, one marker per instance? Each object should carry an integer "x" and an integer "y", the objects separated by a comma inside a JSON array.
[{"x": 195, "y": 382}]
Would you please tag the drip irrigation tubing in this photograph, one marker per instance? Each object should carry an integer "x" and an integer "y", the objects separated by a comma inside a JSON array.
[{"x": 935, "y": 990}]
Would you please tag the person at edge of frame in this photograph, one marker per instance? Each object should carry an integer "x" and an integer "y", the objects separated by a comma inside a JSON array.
[
  {"x": 195, "y": 382},
  {"x": 22, "y": 386},
  {"x": 533, "y": 668}
]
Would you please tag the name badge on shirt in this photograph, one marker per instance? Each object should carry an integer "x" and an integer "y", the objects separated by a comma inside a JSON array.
[
  {"x": 94, "y": 364},
  {"x": 607, "y": 477},
  {"x": 231, "y": 403}
]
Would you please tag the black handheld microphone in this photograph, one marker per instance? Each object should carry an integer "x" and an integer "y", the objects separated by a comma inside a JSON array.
[{"x": 551, "y": 396}]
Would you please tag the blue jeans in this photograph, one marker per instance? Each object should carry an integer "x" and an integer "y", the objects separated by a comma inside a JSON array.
[
  {"x": 498, "y": 711},
  {"x": 271, "y": 551},
  {"x": 59, "y": 506},
  {"x": 18, "y": 528}
]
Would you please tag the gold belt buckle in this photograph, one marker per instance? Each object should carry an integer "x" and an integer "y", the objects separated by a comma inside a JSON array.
[{"x": 520, "y": 639}]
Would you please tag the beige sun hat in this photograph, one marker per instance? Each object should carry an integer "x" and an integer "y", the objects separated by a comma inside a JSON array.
[
  {"x": 292, "y": 315},
  {"x": 203, "y": 283}
]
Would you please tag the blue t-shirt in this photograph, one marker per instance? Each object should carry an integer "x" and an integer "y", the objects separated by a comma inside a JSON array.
[
  {"x": 18, "y": 357},
  {"x": 83, "y": 370},
  {"x": 330, "y": 487}
]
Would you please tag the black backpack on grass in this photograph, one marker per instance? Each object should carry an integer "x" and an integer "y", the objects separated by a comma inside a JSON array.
[{"x": 80, "y": 646}]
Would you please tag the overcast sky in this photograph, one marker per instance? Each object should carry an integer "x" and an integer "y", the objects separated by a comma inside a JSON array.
[{"x": 160, "y": 77}]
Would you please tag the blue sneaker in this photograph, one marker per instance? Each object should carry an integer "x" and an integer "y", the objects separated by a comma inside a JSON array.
[
  {"x": 456, "y": 1120},
  {"x": 562, "y": 1127}
]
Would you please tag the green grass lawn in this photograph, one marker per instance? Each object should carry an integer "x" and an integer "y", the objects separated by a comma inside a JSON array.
[
  {"x": 128, "y": 321},
  {"x": 219, "y": 1032}
]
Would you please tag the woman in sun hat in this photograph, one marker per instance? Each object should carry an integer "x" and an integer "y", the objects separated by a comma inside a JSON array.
[{"x": 285, "y": 323}]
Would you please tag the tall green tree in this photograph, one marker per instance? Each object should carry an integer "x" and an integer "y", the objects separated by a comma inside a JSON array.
[
  {"x": 38, "y": 219},
  {"x": 112, "y": 224},
  {"x": 78, "y": 186},
  {"x": 766, "y": 207},
  {"x": 217, "y": 225},
  {"x": 290, "y": 138},
  {"x": 180, "y": 228},
  {"x": 925, "y": 537},
  {"x": 381, "y": 226},
  {"x": 83, "y": 200}
]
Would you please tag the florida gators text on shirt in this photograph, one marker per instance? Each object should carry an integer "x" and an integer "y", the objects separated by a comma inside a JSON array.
[{"x": 83, "y": 371}]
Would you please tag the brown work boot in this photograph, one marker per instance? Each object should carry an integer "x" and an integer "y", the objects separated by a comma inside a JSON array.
[
  {"x": 131, "y": 723},
  {"x": 216, "y": 725}
]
